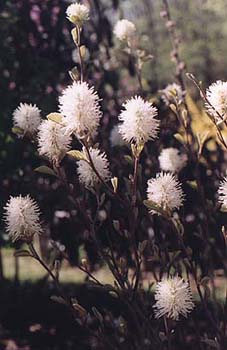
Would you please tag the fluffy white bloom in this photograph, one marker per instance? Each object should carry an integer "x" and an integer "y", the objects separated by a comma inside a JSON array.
[
  {"x": 27, "y": 117},
  {"x": 171, "y": 93},
  {"x": 171, "y": 160},
  {"x": 77, "y": 13},
  {"x": 115, "y": 137},
  {"x": 138, "y": 121},
  {"x": 87, "y": 176},
  {"x": 222, "y": 191},
  {"x": 165, "y": 191},
  {"x": 80, "y": 106},
  {"x": 53, "y": 140},
  {"x": 124, "y": 29},
  {"x": 217, "y": 96},
  {"x": 22, "y": 218},
  {"x": 173, "y": 298}
]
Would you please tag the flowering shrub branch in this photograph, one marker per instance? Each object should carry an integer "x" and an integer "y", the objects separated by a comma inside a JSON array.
[{"x": 153, "y": 230}]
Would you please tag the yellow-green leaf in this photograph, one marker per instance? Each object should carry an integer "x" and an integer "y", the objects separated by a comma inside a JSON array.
[
  {"x": 179, "y": 138},
  {"x": 114, "y": 182},
  {"x": 43, "y": 169},
  {"x": 78, "y": 155},
  {"x": 55, "y": 117},
  {"x": 17, "y": 131}
]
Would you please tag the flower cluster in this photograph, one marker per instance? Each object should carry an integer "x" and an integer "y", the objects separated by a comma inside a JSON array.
[
  {"x": 124, "y": 29},
  {"x": 53, "y": 140},
  {"x": 77, "y": 13},
  {"x": 172, "y": 94},
  {"x": 173, "y": 298},
  {"x": 87, "y": 175},
  {"x": 165, "y": 191},
  {"x": 79, "y": 104},
  {"x": 171, "y": 160},
  {"x": 138, "y": 121},
  {"x": 216, "y": 94},
  {"x": 27, "y": 118},
  {"x": 22, "y": 218}
]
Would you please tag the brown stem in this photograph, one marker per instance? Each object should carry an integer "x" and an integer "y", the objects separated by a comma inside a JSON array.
[
  {"x": 167, "y": 332},
  {"x": 133, "y": 223},
  {"x": 79, "y": 52},
  {"x": 36, "y": 256}
]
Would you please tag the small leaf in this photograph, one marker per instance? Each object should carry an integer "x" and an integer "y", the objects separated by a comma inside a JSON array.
[
  {"x": 55, "y": 117},
  {"x": 116, "y": 225},
  {"x": 17, "y": 131},
  {"x": 128, "y": 159},
  {"x": 143, "y": 245},
  {"x": 58, "y": 299},
  {"x": 83, "y": 51},
  {"x": 223, "y": 209},
  {"x": 133, "y": 148},
  {"x": 78, "y": 155},
  {"x": 74, "y": 33},
  {"x": 74, "y": 74},
  {"x": 80, "y": 310},
  {"x": 173, "y": 108},
  {"x": 97, "y": 314},
  {"x": 43, "y": 169},
  {"x": 179, "y": 138},
  {"x": 192, "y": 184},
  {"x": 151, "y": 205},
  {"x": 22, "y": 252},
  {"x": 114, "y": 182}
]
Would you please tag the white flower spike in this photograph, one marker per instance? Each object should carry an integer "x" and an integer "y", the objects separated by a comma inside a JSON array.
[
  {"x": 172, "y": 93},
  {"x": 173, "y": 298},
  {"x": 217, "y": 96},
  {"x": 87, "y": 176},
  {"x": 77, "y": 13},
  {"x": 139, "y": 123},
  {"x": 124, "y": 29},
  {"x": 53, "y": 141},
  {"x": 22, "y": 218},
  {"x": 79, "y": 105},
  {"x": 27, "y": 118},
  {"x": 165, "y": 191}
]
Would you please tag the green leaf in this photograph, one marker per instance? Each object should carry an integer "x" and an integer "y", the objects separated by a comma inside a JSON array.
[
  {"x": 78, "y": 155},
  {"x": 179, "y": 138},
  {"x": 17, "y": 131},
  {"x": 43, "y": 169}
]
